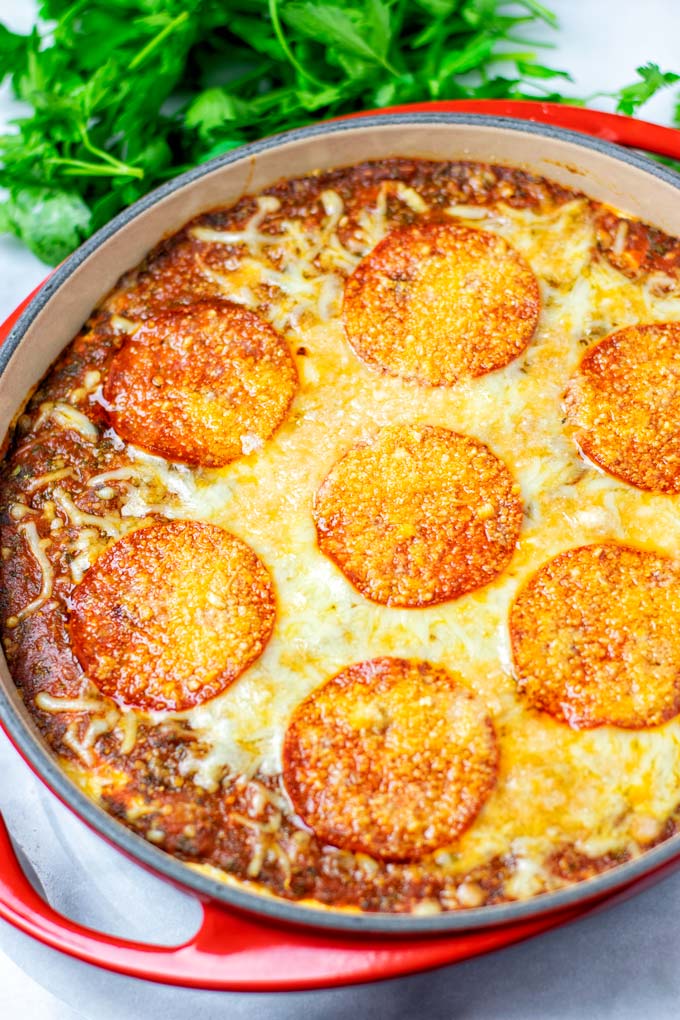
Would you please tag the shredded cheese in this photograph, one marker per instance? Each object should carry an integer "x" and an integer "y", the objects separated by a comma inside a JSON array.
[
  {"x": 467, "y": 212},
  {"x": 49, "y": 703},
  {"x": 121, "y": 324},
  {"x": 67, "y": 417},
  {"x": 30, "y": 533},
  {"x": 300, "y": 286},
  {"x": 250, "y": 236},
  {"x": 105, "y": 718},
  {"x": 128, "y": 726},
  {"x": 97, "y": 727},
  {"x": 620, "y": 237},
  {"x": 109, "y": 524},
  {"x": 40, "y": 481}
]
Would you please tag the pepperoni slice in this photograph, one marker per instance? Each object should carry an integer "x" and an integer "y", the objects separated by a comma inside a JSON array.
[
  {"x": 596, "y": 637},
  {"x": 624, "y": 406},
  {"x": 171, "y": 614},
  {"x": 202, "y": 385},
  {"x": 438, "y": 302},
  {"x": 418, "y": 515},
  {"x": 391, "y": 757}
]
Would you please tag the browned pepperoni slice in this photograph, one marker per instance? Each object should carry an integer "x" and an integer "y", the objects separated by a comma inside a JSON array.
[
  {"x": 418, "y": 515},
  {"x": 203, "y": 384},
  {"x": 624, "y": 405},
  {"x": 171, "y": 614},
  {"x": 392, "y": 757},
  {"x": 596, "y": 637},
  {"x": 439, "y": 302}
]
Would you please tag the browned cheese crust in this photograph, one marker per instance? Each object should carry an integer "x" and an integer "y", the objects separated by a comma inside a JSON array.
[
  {"x": 186, "y": 267},
  {"x": 392, "y": 757},
  {"x": 439, "y": 302},
  {"x": 595, "y": 637},
  {"x": 637, "y": 249}
]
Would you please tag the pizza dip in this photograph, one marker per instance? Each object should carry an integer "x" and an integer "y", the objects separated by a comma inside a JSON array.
[{"x": 340, "y": 550}]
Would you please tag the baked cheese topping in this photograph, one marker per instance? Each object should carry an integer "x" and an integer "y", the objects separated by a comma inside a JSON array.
[{"x": 604, "y": 793}]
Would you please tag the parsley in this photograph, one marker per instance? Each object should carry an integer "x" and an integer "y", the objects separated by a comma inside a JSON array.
[
  {"x": 124, "y": 94},
  {"x": 631, "y": 98}
]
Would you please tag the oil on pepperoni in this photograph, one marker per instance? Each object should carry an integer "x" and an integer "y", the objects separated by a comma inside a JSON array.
[
  {"x": 623, "y": 406},
  {"x": 596, "y": 637}
]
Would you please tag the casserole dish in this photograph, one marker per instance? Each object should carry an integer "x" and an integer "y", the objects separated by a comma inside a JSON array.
[{"x": 625, "y": 182}]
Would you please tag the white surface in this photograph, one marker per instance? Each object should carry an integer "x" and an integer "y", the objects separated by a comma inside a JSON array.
[{"x": 623, "y": 963}]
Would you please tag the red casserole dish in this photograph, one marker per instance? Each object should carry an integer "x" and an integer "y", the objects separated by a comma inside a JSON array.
[{"x": 233, "y": 948}]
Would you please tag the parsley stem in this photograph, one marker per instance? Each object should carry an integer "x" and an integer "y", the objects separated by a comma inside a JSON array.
[
  {"x": 534, "y": 43},
  {"x": 539, "y": 11},
  {"x": 80, "y": 167},
  {"x": 525, "y": 55},
  {"x": 276, "y": 23},
  {"x": 122, "y": 168},
  {"x": 158, "y": 39},
  {"x": 69, "y": 15}
]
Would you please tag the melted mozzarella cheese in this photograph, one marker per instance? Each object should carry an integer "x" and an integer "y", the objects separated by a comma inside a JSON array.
[{"x": 68, "y": 417}]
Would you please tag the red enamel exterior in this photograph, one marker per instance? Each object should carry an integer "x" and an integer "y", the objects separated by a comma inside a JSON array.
[
  {"x": 238, "y": 952},
  {"x": 230, "y": 951},
  {"x": 612, "y": 127}
]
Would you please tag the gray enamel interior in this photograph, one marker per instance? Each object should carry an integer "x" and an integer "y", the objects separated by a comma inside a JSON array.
[{"x": 604, "y": 171}]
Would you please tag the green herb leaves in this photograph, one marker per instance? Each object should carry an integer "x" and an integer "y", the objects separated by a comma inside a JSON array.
[
  {"x": 55, "y": 222},
  {"x": 124, "y": 94},
  {"x": 631, "y": 98}
]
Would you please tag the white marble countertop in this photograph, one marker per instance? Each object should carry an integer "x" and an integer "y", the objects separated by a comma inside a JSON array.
[{"x": 623, "y": 963}]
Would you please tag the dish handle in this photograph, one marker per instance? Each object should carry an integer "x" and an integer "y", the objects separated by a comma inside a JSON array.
[{"x": 232, "y": 951}]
